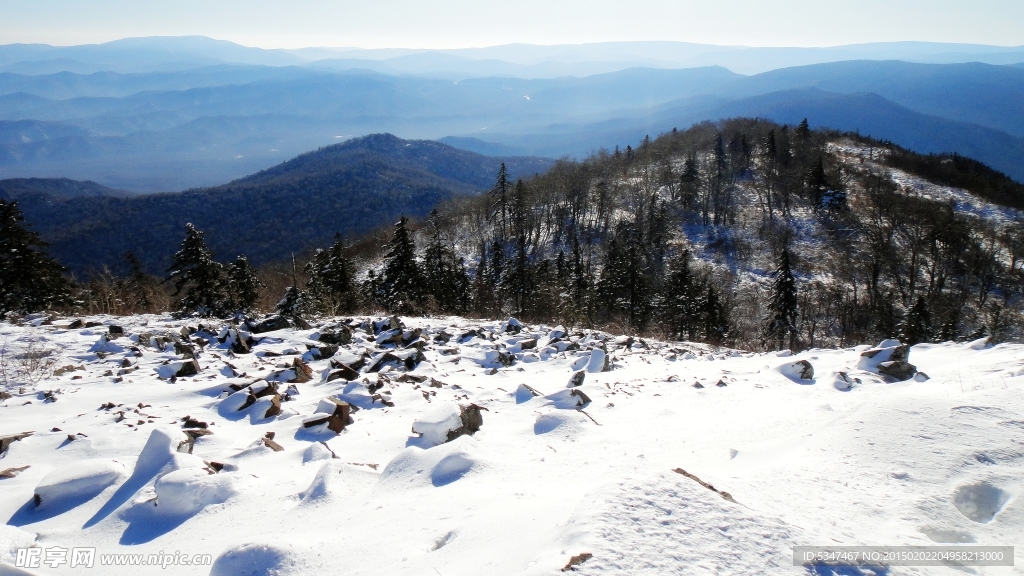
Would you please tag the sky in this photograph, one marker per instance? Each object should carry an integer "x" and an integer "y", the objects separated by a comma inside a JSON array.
[{"x": 466, "y": 23}]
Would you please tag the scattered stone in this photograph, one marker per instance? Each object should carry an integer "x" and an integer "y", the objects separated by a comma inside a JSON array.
[
  {"x": 417, "y": 378},
  {"x": 698, "y": 385},
  {"x": 67, "y": 369},
  {"x": 332, "y": 411},
  {"x": 115, "y": 331},
  {"x": 721, "y": 384},
  {"x": 577, "y": 379},
  {"x": 339, "y": 336},
  {"x": 576, "y": 561},
  {"x": 271, "y": 324},
  {"x": 268, "y": 441},
  {"x": 5, "y": 395},
  {"x": 12, "y": 472},
  {"x": 342, "y": 371},
  {"x": 303, "y": 372},
  {"x": 921, "y": 377},
  {"x": 528, "y": 344},
  {"x": 188, "y": 368},
  {"x": 76, "y": 324},
  {"x": 583, "y": 399},
  {"x": 190, "y": 422}
]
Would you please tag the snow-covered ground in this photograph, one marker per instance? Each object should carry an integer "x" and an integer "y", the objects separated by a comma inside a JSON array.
[{"x": 853, "y": 459}]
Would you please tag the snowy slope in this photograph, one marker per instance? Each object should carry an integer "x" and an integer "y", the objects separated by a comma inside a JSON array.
[{"x": 804, "y": 462}]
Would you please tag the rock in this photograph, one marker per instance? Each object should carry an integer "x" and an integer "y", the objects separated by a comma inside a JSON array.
[
  {"x": 115, "y": 331},
  {"x": 185, "y": 350},
  {"x": 598, "y": 361},
  {"x": 188, "y": 368},
  {"x": 721, "y": 384},
  {"x": 332, "y": 411},
  {"x": 698, "y": 385},
  {"x": 806, "y": 370},
  {"x": 76, "y": 324},
  {"x": 268, "y": 441},
  {"x": 71, "y": 368},
  {"x": 577, "y": 379},
  {"x": 576, "y": 561},
  {"x": 12, "y": 472},
  {"x": 528, "y": 344},
  {"x": 5, "y": 395},
  {"x": 447, "y": 422},
  {"x": 303, "y": 372},
  {"x": 384, "y": 359},
  {"x": 190, "y": 422},
  {"x": 342, "y": 371},
  {"x": 338, "y": 336},
  {"x": 583, "y": 398},
  {"x": 325, "y": 352},
  {"x": 271, "y": 324},
  {"x": 843, "y": 381},
  {"x": 415, "y": 378},
  {"x": 513, "y": 326},
  {"x": 897, "y": 369},
  {"x": 921, "y": 377}
]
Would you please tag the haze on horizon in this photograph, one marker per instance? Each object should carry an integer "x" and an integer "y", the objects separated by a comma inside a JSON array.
[{"x": 474, "y": 23}]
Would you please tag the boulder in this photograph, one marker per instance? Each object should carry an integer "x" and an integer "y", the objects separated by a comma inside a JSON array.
[
  {"x": 577, "y": 379},
  {"x": 332, "y": 411},
  {"x": 447, "y": 422},
  {"x": 897, "y": 369},
  {"x": 340, "y": 335},
  {"x": 303, "y": 372},
  {"x": 115, "y": 331},
  {"x": 271, "y": 324},
  {"x": 188, "y": 368}
]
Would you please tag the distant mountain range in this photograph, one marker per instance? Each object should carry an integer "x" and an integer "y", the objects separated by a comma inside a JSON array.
[
  {"x": 164, "y": 114},
  {"x": 347, "y": 188}
]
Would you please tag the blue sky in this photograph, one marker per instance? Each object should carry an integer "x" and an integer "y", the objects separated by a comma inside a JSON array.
[{"x": 463, "y": 23}]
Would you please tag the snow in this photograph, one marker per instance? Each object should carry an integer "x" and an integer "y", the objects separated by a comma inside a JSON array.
[
  {"x": 76, "y": 480},
  {"x": 847, "y": 458}
]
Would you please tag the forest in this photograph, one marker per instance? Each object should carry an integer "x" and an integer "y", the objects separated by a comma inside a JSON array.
[{"x": 742, "y": 233}]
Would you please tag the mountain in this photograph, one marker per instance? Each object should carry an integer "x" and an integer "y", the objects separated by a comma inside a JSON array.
[
  {"x": 54, "y": 189},
  {"x": 347, "y": 188}
]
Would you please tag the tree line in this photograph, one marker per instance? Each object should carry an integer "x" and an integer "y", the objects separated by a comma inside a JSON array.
[{"x": 743, "y": 233}]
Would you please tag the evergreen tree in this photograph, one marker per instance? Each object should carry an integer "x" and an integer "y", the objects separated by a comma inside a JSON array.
[
  {"x": 198, "y": 279},
  {"x": 243, "y": 288},
  {"x": 780, "y": 324},
  {"x": 624, "y": 287},
  {"x": 715, "y": 317},
  {"x": 888, "y": 317},
  {"x": 332, "y": 280},
  {"x": 917, "y": 326},
  {"x": 681, "y": 301},
  {"x": 139, "y": 288},
  {"x": 293, "y": 304},
  {"x": 517, "y": 282},
  {"x": 30, "y": 280},
  {"x": 500, "y": 200},
  {"x": 401, "y": 277},
  {"x": 445, "y": 276}
]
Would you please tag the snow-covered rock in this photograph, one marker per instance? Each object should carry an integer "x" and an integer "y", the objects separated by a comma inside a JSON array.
[{"x": 78, "y": 481}]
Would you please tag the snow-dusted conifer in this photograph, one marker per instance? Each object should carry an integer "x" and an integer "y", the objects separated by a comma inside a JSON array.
[
  {"x": 198, "y": 279},
  {"x": 780, "y": 324},
  {"x": 401, "y": 278},
  {"x": 30, "y": 280}
]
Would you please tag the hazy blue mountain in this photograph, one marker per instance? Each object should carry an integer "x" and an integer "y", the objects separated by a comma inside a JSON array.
[
  {"x": 868, "y": 113},
  {"x": 65, "y": 85},
  {"x": 984, "y": 94},
  {"x": 348, "y": 188},
  {"x": 481, "y": 147}
]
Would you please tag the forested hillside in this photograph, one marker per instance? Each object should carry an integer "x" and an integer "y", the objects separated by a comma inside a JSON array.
[
  {"x": 347, "y": 188},
  {"x": 744, "y": 232}
]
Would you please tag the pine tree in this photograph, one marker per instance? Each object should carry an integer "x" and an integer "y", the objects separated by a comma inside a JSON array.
[
  {"x": 780, "y": 324},
  {"x": 401, "y": 278},
  {"x": 681, "y": 300},
  {"x": 714, "y": 315},
  {"x": 30, "y": 280},
  {"x": 917, "y": 326},
  {"x": 624, "y": 287},
  {"x": 517, "y": 282},
  {"x": 500, "y": 200},
  {"x": 243, "y": 288},
  {"x": 331, "y": 288},
  {"x": 445, "y": 276},
  {"x": 139, "y": 288},
  {"x": 198, "y": 279}
]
